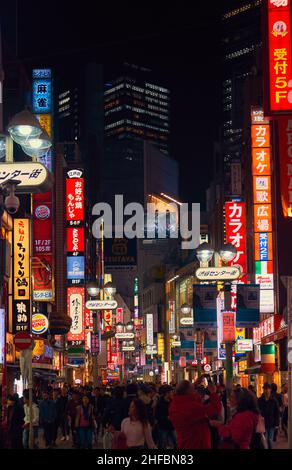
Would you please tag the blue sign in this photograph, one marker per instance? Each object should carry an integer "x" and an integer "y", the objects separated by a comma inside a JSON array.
[
  {"x": 41, "y": 73},
  {"x": 76, "y": 361},
  {"x": 248, "y": 305},
  {"x": 205, "y": 307},
  {"x": 75, "y": 267},
  {"x": 42, "y": 96},
  {"x": 263, "y": 246}
]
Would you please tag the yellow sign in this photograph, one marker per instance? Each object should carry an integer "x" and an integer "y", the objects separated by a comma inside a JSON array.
[
  {"x": 160, "y": 345},
  {"x": 39, "y": 347},
  {"x": 21, "y": 253},
  {"x": 46, "y": 122}
]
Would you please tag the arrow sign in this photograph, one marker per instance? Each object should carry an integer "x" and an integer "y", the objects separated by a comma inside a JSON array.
[
  {"x": 101, "y": 304},
  {"x": 33, "y": 177}
]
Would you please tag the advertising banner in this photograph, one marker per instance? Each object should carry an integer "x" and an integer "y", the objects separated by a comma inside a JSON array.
[
  {"x": 279, "y": 55},
  {"x": 228, "y": 327},
  {"x": 75, "y": 303},
  {"x": 75, "y": 200},
  {"x": 205, "y": 308},
  {"x": 248, "y": 305},
  {"x": 236, "y": 231}
]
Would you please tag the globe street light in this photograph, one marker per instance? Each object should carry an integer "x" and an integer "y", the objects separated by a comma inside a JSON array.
[
  {"x": 24, "y": 126},
  {"x": 92, "y": 289},
  {"x": 130, "y": 326},
  {"x": 228, "y": 252},
  {"x": 109, "y": 288},
  {"x": 185, "y": 309},
  {"x": 204, "y": 253},
  {"x": 37, "y": 146}
]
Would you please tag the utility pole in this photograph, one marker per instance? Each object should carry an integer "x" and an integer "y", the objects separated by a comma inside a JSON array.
[
  {"x": 94, "y": 357},
  {"x": 228, "y": 345}
]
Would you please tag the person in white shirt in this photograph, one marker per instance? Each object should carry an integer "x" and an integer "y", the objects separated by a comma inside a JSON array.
[
  {"x": 35, "y": 421},
  {"x": 137, "y": 428}
]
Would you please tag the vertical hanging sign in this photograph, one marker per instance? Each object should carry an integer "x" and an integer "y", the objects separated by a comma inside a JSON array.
[
  {"x": 279, "y": 60},
  {"x": 262, "y": 205},
  {"x": 21, "y": 276}
]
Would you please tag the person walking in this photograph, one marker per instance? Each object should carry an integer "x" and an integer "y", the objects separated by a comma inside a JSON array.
[
  {"x": 47, "y": 418},
  {"x": 239, "y": 431},
  {"x": 165, "y": 430},
  {"x": 64, "y": 423},
  {"x": 269, "y": 409},
  {"x": 15, "y": 420},
  {"x": 278, "y": 398},
  {"x": 84, "y": 423},
  {"x": 71, "y": 411},
  {"x": 189, "y": 416},
  {"x": 35, "y": 421},
  {"x": 136, "y": 428},
  {"x": 284, "y": 423},
  {"x": 116, "y": 410}
]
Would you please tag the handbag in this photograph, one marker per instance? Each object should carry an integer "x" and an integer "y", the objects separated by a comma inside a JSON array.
[{"x": 119, "y": 440}]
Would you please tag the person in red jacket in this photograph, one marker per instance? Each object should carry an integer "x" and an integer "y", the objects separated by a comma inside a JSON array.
[
  {"x": 239, "y": 431},
  {"x": 190, "y": 417}
]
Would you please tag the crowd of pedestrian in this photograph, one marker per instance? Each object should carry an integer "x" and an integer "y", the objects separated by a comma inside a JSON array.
[{"x": 184, "y": 416}]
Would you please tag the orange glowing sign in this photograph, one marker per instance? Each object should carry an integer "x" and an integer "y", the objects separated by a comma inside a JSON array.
[
  {"x": 262, "y": 218},
  {"x": 260, "y": 135},
  {"x": 279, "y": 46},
  {"x": 263, "y": 247},
  {"x": 262, "y": 189},
  {"x": 228, "y": 327},
  {"x": 261, "y": 161}
]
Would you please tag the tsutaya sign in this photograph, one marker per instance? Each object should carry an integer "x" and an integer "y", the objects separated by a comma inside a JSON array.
[
  {"x": 32, "y": 177},
  {"x": 219, "y": 274},
  {"x": 124, "y": 335},
  {"x": 101, "y": 304}
]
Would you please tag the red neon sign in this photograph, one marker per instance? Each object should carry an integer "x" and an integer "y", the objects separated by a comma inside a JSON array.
[{"x": 279, "y": 45}]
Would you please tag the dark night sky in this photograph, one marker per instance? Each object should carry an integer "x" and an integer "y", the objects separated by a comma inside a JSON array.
[{"x": 180, "y": 42}]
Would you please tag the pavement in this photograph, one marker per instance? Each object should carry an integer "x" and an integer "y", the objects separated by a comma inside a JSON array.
[{"x": 281, "y": 443}]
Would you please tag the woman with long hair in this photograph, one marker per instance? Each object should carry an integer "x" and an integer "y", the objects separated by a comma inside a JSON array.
[
  {"x": 84, "y": 423},
  {"x": 239, "y": 431},
  {"x": 136, "y": 428}
]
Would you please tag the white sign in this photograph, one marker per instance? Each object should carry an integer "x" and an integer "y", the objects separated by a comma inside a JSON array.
[
  {"x": 101, "y": 304},
  {"x": 128, "y": 348},
  {"x": 244, "y": 345},
  {"x": 74, "y": 173},
  {"x": 219, "y": 274},
  {"x": 33, "y": 177},
  {"x": 279, "y": 3},
  {"x": 171, "y": 324},
  {"x": 149, "y": 329},
  {"x": 176, "y": 344},
  {"x": 266, "y": 281},
  {"x": 266, "y": 301},
  {"x": 207, "y": 368},
  {"x": 187, "y": 321},
  {"x": 124, "y": 335}
]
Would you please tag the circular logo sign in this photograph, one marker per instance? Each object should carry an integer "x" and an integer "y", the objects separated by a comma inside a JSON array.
[
  {"x": 207, "y": 368},
  {"x": 39, "y": 324},
  {"x": 42, "y": 212}
]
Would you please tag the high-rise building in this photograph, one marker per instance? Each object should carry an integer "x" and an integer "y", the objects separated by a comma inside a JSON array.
[
  {"x": 240, "y": 42},
  {"x": 137, "y": 107}
]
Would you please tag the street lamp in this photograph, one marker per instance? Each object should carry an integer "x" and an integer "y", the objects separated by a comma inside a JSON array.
[
  {"x": 228, "y": 252},
  {"x": 109, "y": 288},
  {"x": 130, "y": 326},
  {"x": 24, "y": 126},
  {"x": 37, "y": 146},
  {"x": 185, "y": 309},
  {"x": 204, "y": 253},
  {"x": 93, "y": 291}
]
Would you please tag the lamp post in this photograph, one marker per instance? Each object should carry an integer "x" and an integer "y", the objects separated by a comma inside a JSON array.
[
  {"x": 93, "y": 291},
  {"x": 227, "y": 253}
]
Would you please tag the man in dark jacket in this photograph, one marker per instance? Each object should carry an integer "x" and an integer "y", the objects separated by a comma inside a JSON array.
[
  {"x": 165, "y": 429},
  {"x": 15, "y": 420},
  {"x": 116, "y": 410},
  {"x": 270, "y": 411},
  {"x": 47, "y": 418}
]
